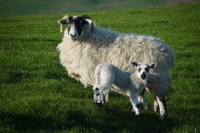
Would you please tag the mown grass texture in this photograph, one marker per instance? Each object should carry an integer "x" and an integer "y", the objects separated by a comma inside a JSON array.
[{"x": 36, "y": 94}]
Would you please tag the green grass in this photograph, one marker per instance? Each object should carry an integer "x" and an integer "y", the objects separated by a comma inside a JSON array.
[{"x": 36, "y": 95}]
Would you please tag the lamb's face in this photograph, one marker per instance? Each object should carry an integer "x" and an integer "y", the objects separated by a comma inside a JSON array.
[
  {"x": 143, "y": 69},
  {"x": 75, "y": 25}
]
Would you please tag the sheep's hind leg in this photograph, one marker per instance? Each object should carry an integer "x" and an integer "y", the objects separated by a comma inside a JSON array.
[
  {"x": 99, "y": 92},
  {"x": 97, "y": 98},
  {"x": 162, "y": 107},
  {"x": 106, "y": 95}
]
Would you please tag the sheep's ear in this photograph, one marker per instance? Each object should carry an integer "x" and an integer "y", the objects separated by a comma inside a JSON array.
[
  {"x": 88, "y": 19},
  {"x": 134, "y": 64},
  {"x": 62, "y": 21},
  {"x": 153, "y": 65}
]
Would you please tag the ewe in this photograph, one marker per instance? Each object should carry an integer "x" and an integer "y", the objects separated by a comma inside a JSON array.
[
  {"x": 86, "y": 45},
  {"x": 132, "y": 84}
]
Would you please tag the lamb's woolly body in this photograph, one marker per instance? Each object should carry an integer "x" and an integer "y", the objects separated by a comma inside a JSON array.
[
  {"x": 106, "y": 46},
  {"x": 131, "y": 84},
  {"x": 121, "y": 81}
]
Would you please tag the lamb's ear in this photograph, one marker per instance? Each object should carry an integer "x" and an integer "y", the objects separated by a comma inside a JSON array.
[
  {"x": 153, "y": 65},
  {"x": 134, "y": 63}
]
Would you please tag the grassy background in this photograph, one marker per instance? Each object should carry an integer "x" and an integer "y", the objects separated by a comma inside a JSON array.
[
  {"x": 24, "y": 7},
  {"x": 36, "y": 95}
]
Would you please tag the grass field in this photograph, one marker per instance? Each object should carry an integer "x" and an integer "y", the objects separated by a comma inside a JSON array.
[{"x": 36, "y": 95}]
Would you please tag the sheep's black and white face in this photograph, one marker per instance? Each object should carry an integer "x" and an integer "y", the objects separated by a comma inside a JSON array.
[
  {"x": 143, "y": 69},
  {"x": 75, "y": 25}
]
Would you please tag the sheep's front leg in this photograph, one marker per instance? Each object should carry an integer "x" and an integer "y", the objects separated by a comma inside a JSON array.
[
  {"x": 142, "y": 99},
  {"x": 135, "y": 104},
  {"x": 162, "y": 107}
]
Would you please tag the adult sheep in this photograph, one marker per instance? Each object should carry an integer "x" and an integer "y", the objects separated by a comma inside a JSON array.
[{"x": 86, "y": 45}]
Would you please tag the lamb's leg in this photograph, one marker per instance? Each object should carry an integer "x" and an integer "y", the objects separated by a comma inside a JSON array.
[
  {"x": 99, "y": 92},
  {"x": 142, "y": 99},
  {"x": 102, "y": 98},
  {"x": 135, "y": 104},
  {"x": 96, "y": 87},
  {"x": 104, "y": 79},
  {"x": 162, "y": 107},
  {"x": 155, "y": 105},
  {"x": 97, "y": 98},
  {"x": 106, "y": 95}
]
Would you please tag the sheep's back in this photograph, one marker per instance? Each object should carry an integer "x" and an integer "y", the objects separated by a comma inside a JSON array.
[{"x": 141, "y": 49}]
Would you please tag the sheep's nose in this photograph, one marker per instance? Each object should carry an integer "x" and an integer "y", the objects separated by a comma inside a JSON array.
[
  {"x": 72, "y": 35},
  {"x": 143, "y": 75}
]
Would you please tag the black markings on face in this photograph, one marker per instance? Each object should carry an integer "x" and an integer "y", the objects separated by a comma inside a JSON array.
[
  {"x": 68, "y": 28},
  {"x": 69, "y": 22},
  {"x": 139, "y": 69},
  {"x": 78, "y": 22},
  {"x": 147, "y": 69}
]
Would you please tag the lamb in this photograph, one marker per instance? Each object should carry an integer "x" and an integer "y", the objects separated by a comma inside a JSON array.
[
  {"x": 86, "y": 45},
  {"x": 132, "y": 84}
]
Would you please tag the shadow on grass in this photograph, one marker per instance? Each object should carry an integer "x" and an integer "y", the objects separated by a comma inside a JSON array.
[
  {"x": 115, "y": 120},
  {"x": 118, "y": 120}
]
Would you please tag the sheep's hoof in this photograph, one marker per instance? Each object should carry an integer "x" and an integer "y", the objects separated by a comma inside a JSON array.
[
  {"x": 163, "y": 117},
  {"x": 99, "y": 104},
  {"x": 138, "y": 116}
]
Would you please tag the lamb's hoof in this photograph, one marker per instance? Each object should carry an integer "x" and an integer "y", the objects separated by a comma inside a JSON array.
[
  {"x": 99, "y": 104},
  {"x": 163, "y": 117},
  {"x": 138, "y": 116}
]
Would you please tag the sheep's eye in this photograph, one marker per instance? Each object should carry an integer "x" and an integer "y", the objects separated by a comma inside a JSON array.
[
  {"x": 81, "y": 21},
  {"x": 67, "y": 24},
  {"x": 139, "y": 69},
  {"x": 147, "y": 70}
]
